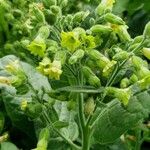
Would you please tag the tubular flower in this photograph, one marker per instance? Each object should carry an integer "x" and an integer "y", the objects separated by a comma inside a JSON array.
[
  {"x": 53, "y": 70},
  {"x": 122, "y": 94},
  {"x": 70, "y": 40},
  {"x": 121, "y": 31},
  {"x": 88, "y": 41},
  {"x": 37, "y": 47},
  {"x": 104, "y": 6}
]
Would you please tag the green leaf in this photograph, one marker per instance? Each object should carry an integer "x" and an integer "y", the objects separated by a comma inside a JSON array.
[
  {"x": 8, "y": 146},
  {"x": 71, "y": 131},
  {"x": 116, "y": 119}
]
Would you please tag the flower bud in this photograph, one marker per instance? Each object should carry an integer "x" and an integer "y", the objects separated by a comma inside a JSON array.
[
  {"x": 122, "y": 32},
  {"x": 124, "y": 83},
  {"x": 111, "y": 18},
  {"x": 109, "y": 68},
  {"x": 146, "y": 32},
  {"x": 78, "y": 54},
  {"x": 80, "y": 16},
  {"x": 50, "y": 17},
  {"x": 60, "y": 56},
  {"x": 24, "y": 104},
  {"x": 121, "y": 56},
  {"x": 133, "y": 79},
  {"x": 146, "y": 52},
  {"x": 99, "y": 58},
  {"x": 92, "y": 79},
  {"x": 43, "y": 139},
  {"x": 89, "y": 106},
  {"x": 49, "y": 3},
  {"x": 100, "y": 29},
  {"x": 33, "y": 110},
  {"x": 38, "y": 14},
  {"x": 105, "y": 6},
  {"x": 144, "y": 83},
  {"x": 56, "y": 10}
]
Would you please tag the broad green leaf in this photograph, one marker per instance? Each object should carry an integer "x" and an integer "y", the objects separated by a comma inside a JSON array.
[
  {"x": 71, "y": 131},
  {"x": 8, "y": 146},
  {"x": 116, "y": 119}
]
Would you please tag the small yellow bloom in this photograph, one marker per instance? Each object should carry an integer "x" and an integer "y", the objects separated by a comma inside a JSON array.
[
  {"x": 70, "y": 40},
  {"x": 24, "y": 104}
]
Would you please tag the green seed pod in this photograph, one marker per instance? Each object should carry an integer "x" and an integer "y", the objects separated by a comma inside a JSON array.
[
  {"x": 111, "y": 18},
  {"x": 100, "y": 29},
  {"x": 146, "y": 32},
  {"x": 38, "y": 14},
  {"x": 121, "y": 56},
  {"x": 124, "y": 83},
  {"x": 48, "y": 3},
  {"x": 146, "y": 52},
  {"x": 76, "y": 56},
  {"x": 34, "y": 110},
  {"x": 89, "y": 106},
  {"x": 92, "y": 79},
  {"x": 64, "y": 3}
]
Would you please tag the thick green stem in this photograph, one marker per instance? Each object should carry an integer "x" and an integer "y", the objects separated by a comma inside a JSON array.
[
  {"x": 85, "y": 130},
  {"x": 86, "y": 138}
]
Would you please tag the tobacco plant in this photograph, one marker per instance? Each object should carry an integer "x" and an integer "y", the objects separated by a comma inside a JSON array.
[{"x": 85, "y": 82}]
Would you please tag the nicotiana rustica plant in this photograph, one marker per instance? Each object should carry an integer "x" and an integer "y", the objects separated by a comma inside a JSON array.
[{"x": 88, "y": 85}]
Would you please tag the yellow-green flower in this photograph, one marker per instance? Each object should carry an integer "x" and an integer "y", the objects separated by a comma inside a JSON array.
[
  {"x": 70, "y": 40},
  {"x": 45, "y": 63},
  {"x": 55, "y": 70},
  {"x": 122, "y": 94},
  {"x": 88, "y": 41},
  {"x": 37, "y": 47},
  {"x": 52, "y": 70},
  {"x": 24, "y": 104}
]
